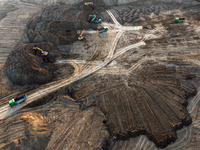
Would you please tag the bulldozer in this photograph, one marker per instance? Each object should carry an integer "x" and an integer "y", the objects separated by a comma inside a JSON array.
[
  {"x": 44, "y": 53},
  {"x": 81, "y": 36},
  {"x": 93, "y": 18}
]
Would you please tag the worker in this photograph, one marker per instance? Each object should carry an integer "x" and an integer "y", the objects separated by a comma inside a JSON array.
[{"x": 179, "y": 20}]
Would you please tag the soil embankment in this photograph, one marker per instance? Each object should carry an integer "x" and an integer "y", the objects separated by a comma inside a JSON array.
[{"x": 57, "y": 25}]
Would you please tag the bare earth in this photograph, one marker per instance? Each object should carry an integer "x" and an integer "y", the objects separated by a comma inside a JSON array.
[{"x": 135, "y": 87}]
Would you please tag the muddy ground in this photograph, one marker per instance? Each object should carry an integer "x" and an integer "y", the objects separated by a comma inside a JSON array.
[{"x": 119, "y": 102}]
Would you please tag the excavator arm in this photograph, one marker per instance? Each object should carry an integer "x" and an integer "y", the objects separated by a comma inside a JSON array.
[
  {"x": 45, "y": 53},
  {"x": 81, "y": 36}
]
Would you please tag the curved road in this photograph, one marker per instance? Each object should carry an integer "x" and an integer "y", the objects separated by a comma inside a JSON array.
[{"x": 5, "y": 110}]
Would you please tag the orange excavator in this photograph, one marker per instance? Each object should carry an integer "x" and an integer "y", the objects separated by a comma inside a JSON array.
[{"x": 43, "y": 52}]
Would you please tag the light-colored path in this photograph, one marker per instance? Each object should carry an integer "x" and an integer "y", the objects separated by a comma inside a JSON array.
[
  {"x": 11, "y": 31},
  {"x": 51, "y": 87}
]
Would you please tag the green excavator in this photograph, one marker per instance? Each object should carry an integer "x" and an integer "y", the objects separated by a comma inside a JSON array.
[{"x": 93, "y": 18}]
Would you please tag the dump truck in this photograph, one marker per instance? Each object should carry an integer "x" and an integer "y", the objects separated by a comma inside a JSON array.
[
  {"x": 179, "y": 20},
  {"x": 102, "y": 29},
  {"x": 17, "y": 100}
]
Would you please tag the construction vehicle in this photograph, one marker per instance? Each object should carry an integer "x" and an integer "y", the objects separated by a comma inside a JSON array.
[
  {"x": 17, "y": 100},
  {"x": 81, "y": 36},
  {"x": 91, "y": 4},
  {"x": 179, "y": 20},
  {"x": 102, "y": 29},
  {"x": 93, "y": 18},
  {"x": 43, "y": 52}
]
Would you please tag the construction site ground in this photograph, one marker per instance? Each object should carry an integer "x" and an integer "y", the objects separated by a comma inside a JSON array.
[{"x": 135, "y": 86}]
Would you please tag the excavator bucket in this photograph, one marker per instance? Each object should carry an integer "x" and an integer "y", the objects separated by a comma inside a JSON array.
[{"x": 43, "y": 52}]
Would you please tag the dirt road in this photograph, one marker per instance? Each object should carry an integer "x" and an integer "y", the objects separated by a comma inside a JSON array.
[{"x": 51, "y": 87}]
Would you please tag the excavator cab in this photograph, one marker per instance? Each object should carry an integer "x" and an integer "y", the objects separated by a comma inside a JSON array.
[
  {"x": 81, "y": 36},
  {"x": 44, "y": 53}
]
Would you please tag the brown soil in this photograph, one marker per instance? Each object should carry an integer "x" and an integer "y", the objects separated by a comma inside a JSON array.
[
  {"x": 152, "y": 102},
  {"x": 27, "y": 66},
  {"x": 101, "y": 109}
]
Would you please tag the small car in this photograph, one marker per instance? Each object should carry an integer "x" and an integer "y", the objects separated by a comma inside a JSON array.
[{"x": 17, "y": 100}]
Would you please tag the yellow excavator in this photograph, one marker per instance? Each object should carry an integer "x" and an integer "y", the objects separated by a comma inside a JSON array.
[
  {"x": 91, "y": 4},
  {"x": 81, "y": 36},
  {"x": 43, "y": 52}
]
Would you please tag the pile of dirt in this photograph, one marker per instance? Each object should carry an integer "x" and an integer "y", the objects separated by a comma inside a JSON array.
[
  {"x": 26, "y": 65},
  {"x": 152, "y": 102},
  {"x": 59, "y": 24},
  {"x": 59, "y": 124}
]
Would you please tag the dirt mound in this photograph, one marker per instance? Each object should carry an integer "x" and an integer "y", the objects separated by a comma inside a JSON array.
[
  {"x": 26, "y": 65},
  {"x": 59, "y": 24},
  {"x": 152, "y": 102},
  {"x": 59, "y": 124}
]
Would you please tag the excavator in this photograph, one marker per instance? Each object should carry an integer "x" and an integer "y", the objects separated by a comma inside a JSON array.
[
  {"x": 91, "y": 4},
  {"x": 81, "y": 36},
  {"x": 44, "y": 53},
  {"x": 93, "y": 18}
]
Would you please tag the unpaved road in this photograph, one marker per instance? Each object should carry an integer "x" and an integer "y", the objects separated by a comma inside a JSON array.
[
  {"x": 51, "y": 87},
  {"x": 142, "y": 142}
]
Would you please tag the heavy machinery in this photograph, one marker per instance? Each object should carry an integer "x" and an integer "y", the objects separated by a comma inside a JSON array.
[
  {"x": 179, "y": 20},
  {"x": 81, "y": 36},
  {"x": 91, "y": 4},
  {"x": 93, "y": 18},
  {"x": 102, "y": 29},
  {"x": 17, "y": 100},
  {"x": 43, "y": 52}
]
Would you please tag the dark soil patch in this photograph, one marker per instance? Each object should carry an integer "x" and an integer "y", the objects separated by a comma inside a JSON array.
[{"x": 28, "y": 66}]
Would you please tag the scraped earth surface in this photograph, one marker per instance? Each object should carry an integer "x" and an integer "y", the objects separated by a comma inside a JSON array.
[{"x": 147, "y": 98}]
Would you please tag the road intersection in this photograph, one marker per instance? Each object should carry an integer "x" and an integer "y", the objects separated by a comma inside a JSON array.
[{"x": 5, "y": 110}]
